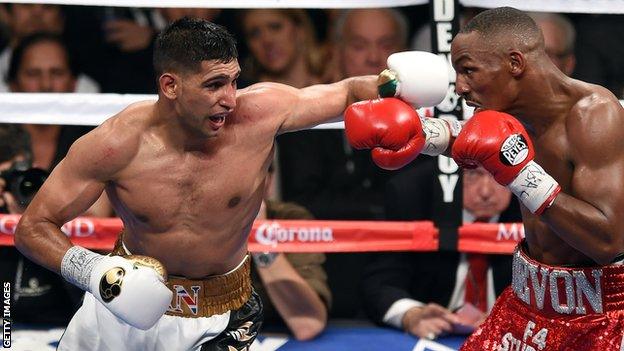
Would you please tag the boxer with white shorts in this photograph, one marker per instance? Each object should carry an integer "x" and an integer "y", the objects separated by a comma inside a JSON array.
[{"x": 186, "y": 175}]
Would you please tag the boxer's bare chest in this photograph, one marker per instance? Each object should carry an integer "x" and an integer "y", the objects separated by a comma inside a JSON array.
[
  {"x": 166, "y": 190},
  {"x": 552, "y": 152}
]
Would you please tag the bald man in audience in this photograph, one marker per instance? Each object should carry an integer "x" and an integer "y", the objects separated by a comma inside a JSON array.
[
  {"x": 559, "y": 37},
  {"x": 364, "y": 38}
]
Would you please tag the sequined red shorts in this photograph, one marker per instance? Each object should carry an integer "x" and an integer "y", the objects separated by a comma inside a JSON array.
[{"x": 555, "y": 308}]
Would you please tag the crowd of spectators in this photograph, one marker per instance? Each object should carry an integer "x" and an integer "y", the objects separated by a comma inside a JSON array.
[{"x": 53, "y": 48}]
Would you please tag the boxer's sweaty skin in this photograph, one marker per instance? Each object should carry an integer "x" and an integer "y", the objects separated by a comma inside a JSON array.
[
  {"x": 577, "y": 132},
  {"x": 186, "y": 188}
]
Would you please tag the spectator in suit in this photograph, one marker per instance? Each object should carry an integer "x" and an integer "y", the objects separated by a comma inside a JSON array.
[
  {"x": 321, "y": 171},
  {"x": 418, "y": 292},
  {"x": 293, "y": 286}
]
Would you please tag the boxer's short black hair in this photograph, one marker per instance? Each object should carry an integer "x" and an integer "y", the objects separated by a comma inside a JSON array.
[
  {"x": 506, "y": 22},
  {"x": 185, "y": 43}
]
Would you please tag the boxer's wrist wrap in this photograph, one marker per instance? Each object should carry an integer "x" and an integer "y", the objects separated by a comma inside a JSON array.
[
  {"x": 438, "y": 134},
  {"x": 535, "y": 188},
  {"x": 77, "y": 265}
]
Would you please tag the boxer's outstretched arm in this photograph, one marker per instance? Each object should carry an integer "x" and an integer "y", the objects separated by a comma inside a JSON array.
[
  {"x": 317, "y": 104},
  {"x": 74, "y": 185},
  {"x": 589, "y": 215}
]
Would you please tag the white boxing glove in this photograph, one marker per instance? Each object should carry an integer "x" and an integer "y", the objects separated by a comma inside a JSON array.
[
  {"x": 132, "y": 287},
  {"x": 418, "y": 77}
]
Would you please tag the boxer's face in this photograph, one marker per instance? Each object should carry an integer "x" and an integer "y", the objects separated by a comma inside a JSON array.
[
  {"x": 483, "y": 77},
  {"x": 483, "y": 196},
  {"x": 207, "y": 97}
]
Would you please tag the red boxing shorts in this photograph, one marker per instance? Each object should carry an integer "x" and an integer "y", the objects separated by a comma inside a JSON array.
[{"x": 555, "y": 308}]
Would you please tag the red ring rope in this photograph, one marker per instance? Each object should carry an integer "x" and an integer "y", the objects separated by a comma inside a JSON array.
[{"x": 314, "y": 236}]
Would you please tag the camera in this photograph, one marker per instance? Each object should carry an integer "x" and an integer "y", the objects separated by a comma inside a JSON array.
[{"x": 23, "y": 181}]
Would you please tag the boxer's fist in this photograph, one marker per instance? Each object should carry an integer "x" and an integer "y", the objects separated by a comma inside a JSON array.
[
  {"x": 496, "y": 141},
  {"x": 418, "y": 77},
  {"x": 500, "y": 144},
  {"x": 132, "y": 288},
  {"x": 390, "y": 127}
]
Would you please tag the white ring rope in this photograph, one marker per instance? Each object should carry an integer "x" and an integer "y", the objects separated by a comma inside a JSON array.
[
  {"x": 580, "y": 6},
  {"x": 93, "y": 109},
  {"x": 575, "y": 6},
  {"x": 74, "y": 108},
  {"x": 236, "y": 3}
]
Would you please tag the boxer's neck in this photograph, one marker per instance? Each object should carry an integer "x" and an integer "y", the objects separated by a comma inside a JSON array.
[{"x": 543, "y": 100}]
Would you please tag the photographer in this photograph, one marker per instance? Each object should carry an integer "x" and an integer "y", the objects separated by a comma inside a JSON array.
[
  {"x": 38, "y": 295},
  {"x": 14, "y": 147}
]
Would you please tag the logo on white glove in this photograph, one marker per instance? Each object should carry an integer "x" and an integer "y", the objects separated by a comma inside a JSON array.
[
  {"x": 110, "y": 284},
  {"x": 514, "y": 150}
]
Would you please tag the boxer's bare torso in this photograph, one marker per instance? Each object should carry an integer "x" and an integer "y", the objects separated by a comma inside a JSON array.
[
  {"x": 186, "y": 173},
  {"x": 191, "y": 209},
  {"x": 584, "y": 114},
  {"x": 576, "y": 130}
]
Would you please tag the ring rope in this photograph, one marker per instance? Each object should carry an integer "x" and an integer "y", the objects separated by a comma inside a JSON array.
[
  {"x": 93, "y": 109},
  {"x": 577, "y": 6},
  {"x": 313, "y": 236}
]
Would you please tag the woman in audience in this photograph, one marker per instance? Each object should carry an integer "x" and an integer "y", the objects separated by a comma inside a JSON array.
[{"x": 282, "y": 47}]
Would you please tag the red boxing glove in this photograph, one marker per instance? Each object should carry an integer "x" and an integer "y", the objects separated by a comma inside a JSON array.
[
  {"x": 389, "y": 126},
  {"x": 500, "y": 144},
  {"x": 496, "y": 141}
]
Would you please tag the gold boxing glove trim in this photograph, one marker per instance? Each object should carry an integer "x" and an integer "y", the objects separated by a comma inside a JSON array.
[{"x": 147, "y": 261}]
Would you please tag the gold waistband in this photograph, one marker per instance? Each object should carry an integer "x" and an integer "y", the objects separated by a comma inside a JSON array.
[{"x": 205, "y": 297}]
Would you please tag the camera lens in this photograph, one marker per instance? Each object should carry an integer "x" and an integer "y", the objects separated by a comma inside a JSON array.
[{"x": 27, "y": 184}]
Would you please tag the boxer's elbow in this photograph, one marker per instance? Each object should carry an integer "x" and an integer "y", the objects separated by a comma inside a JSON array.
[
  {"x": 25, "y": 234},
  {"x": 22, "y": 236}
]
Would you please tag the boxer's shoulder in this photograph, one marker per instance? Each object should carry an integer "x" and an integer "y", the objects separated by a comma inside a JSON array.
[
  {"x": 593, "y": 101},
  {"x": 596, "y": 115},
  {"x": 133, "y": 120},
  {"x": 113, "y": 144},
  {"x": 264, "y": 99},
  {"x": 263, "y": 92}
]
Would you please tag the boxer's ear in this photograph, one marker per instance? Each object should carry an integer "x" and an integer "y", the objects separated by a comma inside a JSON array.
[
  {"x": 517, "y": 63},
  {"x": 167, "y": 84}
]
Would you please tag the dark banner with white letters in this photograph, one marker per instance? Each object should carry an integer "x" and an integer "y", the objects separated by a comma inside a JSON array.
[{"x": 448, "y": 190}]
